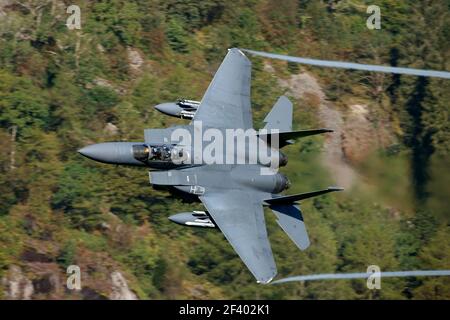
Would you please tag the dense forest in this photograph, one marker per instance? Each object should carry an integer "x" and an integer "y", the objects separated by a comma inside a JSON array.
[{"x": 62, "y": 89}]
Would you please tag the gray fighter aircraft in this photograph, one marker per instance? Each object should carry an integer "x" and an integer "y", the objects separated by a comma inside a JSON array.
[{"x": 234, "y": 195}]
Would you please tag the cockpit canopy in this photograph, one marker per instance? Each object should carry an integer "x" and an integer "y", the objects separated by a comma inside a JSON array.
[{"x": 161, "y": 152}]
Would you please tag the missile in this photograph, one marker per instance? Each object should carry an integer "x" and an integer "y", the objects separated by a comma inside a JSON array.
[
  {"x": 114, "y": 153},
  {"x": 184, "y": 109},
  {"x": 193, "y": 219},
  {"x": 185, "y": 103},
  {"x": 169, "y": 108}
]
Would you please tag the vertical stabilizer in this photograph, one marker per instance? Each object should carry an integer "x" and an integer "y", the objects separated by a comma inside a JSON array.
[{"x": 280, "y": 117}]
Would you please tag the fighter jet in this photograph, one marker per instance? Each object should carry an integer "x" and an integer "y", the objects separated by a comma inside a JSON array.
[{"x": 233, "y": 193}]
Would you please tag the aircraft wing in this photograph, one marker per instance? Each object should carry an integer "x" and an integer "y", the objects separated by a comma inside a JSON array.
[
  {"x": 226, "y": 103},
  {"x": 240, "y": 217}
]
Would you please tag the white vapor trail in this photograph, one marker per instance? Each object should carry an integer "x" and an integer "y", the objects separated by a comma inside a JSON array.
[
  {"x": 350, "y": 65},
  {"x": 365, "y": 275}
]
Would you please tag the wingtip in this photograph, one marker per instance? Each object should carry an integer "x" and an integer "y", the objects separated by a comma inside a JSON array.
[
  {"x": 265, "y": 281},
  {"x": 334, "y": 188},
  {"x": 237, "y": 50}
]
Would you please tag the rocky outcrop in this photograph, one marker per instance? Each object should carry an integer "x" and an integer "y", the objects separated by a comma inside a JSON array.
[
  {"x": 98, "y": 81},
  {"x": 47, "y": 278},
  {"x": 17, "y": 285},
  {"x": 120, "y": 289},
  {"x": 135, "y": 60},
  {"x": 301, "y": 85},
  {"x": 333, "y": 157},
  {"x": 47, "y": 284},
  {"x": 362, "y": 134},
  {"x": 304, "y": 86},
  {"x": 111, "y": 129},
  {"x": 3, "y": 5},
  {"x": 357, "y": 132}
]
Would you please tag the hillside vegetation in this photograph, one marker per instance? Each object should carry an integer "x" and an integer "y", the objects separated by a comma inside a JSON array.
[{"x": 62, "y": 89}]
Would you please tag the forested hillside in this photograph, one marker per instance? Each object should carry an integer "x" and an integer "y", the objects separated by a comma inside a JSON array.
[{"x": 62, "y": 89}]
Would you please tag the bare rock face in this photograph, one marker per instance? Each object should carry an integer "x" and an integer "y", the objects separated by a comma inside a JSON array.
[
  {"x": 111, "y": 129},
  {"x": 47, "y": 284},
  {"x": 359, "y": 137},
  {"x": 17, "y": 286},
  {"x": 357, "y": 133},
  {"x": 105, "y": 83},
  {"x": 135, "y": 60},
  {"x": 267, "y": 67},
  {"x": 301, "y": 85},
  {"x": 197, "y": 292},
  {"x": 3, "y": 5},
  {"x": 333, "y": 157},
  {"x": 305, "y": 86},
  {"x": 100, "y": 48},
  {"x": 362, "y": 134},
  {"x": 120, "y": 290}
]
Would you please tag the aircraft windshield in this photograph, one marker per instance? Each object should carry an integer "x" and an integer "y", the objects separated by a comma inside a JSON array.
[{"x": 162, "y": 152}]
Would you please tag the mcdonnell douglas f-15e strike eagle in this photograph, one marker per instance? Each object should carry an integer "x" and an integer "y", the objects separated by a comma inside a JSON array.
[{"x": 233, "y": 192}]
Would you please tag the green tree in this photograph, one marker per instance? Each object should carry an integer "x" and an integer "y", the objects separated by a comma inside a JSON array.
[
  {"x": 78, "y": 195},
  {"x": 177, "y": 36},
  {"x": 21, "y": 104},
  {"x": 435, "y": 256}
]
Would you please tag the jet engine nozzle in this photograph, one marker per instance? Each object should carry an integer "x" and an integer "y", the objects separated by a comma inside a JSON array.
[
  {"x": 282, "y": 183},
  {"x": 283, "y": 159}
]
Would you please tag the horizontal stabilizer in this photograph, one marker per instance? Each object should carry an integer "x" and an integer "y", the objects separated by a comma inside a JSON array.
[
  {"x": 290, "y": 219},
  {"x": 284, "y": 138},
  {"x": 297, "y": 197}
]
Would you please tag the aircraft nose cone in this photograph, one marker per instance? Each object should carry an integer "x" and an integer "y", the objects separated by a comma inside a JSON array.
[
  {"x": 108, "y": 152},
  {"x": 112, "y": 152},
  {"x": 88, "y": 151}
]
